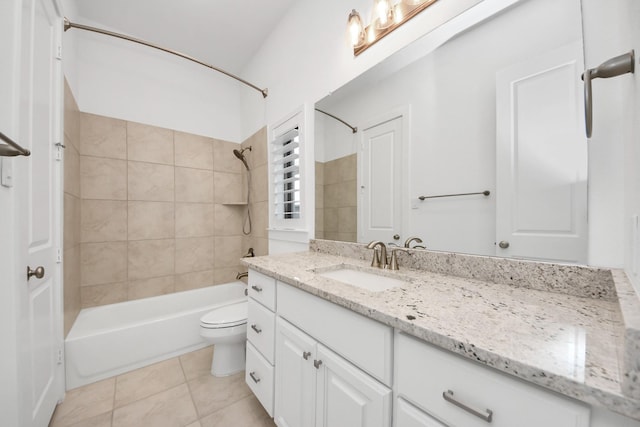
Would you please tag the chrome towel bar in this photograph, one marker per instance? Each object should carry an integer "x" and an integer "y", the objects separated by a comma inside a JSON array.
[
  {"x": 13, "y": 149},
  {"x": 484, "y": 193}
]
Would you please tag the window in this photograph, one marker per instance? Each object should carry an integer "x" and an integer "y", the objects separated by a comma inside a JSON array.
[{"x": 286, "y": 175}]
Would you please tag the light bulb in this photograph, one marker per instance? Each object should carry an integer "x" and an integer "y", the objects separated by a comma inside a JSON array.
[
  {"x": 356, "y": 31},
  {"x": 383, "y": 12}
]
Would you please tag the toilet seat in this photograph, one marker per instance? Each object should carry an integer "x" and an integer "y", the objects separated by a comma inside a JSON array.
[{"x": 225, "y": 317}]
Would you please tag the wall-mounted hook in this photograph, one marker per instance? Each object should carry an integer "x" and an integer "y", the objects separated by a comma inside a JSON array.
[{"x": 614, "y": 67}]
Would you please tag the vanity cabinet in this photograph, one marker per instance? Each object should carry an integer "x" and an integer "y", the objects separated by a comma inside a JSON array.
[
  {"x": 459, "y": 392},
  {"x": 261, "y": 305},
  {"x": 317, "y": 387}
]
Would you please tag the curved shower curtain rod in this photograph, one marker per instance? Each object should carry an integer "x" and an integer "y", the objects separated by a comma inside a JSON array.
[
  {"x": 354, "y": 129},
  {"x": 68, "y": 24}
]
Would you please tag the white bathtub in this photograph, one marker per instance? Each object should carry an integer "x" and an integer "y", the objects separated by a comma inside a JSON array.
[{"x": 112, "y": 339}]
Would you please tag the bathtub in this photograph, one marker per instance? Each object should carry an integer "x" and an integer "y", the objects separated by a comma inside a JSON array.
[{"x": 112, "y": 339}]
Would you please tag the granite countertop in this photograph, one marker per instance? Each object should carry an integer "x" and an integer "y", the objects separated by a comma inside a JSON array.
[{"x": 567, "y": 343}]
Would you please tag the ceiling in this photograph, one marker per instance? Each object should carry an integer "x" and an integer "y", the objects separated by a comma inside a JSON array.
[{"x": 224, "y": 33}]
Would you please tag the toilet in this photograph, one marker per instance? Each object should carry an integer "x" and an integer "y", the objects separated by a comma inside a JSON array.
[{"x": 226, "y": 328}]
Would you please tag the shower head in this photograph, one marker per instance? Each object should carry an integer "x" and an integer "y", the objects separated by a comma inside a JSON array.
[{"x": 239, "y": 154}]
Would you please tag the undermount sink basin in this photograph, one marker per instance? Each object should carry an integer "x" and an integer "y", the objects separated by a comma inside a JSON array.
[{"x": 362, "y": 279}]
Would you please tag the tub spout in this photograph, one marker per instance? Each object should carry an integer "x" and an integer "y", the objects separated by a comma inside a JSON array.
[{"x": 241, "y": 275}]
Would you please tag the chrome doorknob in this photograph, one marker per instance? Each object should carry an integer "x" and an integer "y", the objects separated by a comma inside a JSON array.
[
  {"x": 503, "y": 244},
  {"x": 396, "y": 237},
  {"x": 38, "y": 272}
]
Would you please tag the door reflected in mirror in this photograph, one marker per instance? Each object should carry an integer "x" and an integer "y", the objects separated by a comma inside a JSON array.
[{"x": 482, "y": 103}]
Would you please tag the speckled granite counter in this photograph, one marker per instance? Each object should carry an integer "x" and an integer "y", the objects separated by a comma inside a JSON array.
[{"x": 564, "y": 339}]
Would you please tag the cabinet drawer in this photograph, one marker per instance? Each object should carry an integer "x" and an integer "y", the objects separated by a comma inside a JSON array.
[
  {"x": 262, "y": 288},
  {"x": 408, "y": 415},
  {"x": 364, "y": 342},
  {"x": 259, "y": 377},
  {"x": 261, "y": 329},
  {"x": 424, "y": 372}
]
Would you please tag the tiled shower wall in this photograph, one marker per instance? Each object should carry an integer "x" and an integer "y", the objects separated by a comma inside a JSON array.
[
  {"x": 161, "y": 210},
  {"x": 71, "y": 239},
  {"x": 257, "y": 159},
  {"x": 336, "y": 199}
]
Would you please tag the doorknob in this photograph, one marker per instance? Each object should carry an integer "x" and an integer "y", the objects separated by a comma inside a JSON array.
[
  {"x": 503, "y": 244},
  {"x": 396, "y": 237},
  {"x": 38, "y": 272}
]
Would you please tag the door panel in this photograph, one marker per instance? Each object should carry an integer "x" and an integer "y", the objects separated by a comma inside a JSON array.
[
  {"x": 380, "y": 209},
  {"x": 542, "y": 215}
]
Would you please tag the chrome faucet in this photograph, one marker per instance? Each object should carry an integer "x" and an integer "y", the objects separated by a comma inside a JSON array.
[
  {"x": 412, "y": 239},
  {"x": 380, "y": 262}
]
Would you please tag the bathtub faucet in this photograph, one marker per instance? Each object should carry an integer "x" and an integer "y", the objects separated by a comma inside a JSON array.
[
  {"x": 241, "y": 275},
  {"x": 249, "y": 254}
]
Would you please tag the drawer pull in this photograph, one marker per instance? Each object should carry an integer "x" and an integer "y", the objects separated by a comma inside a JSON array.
[
  {"x": 254, "y": 377},
  {"x": 256, "y": 288},
  {"x": 317, "y": 363},
  {"x": 486, "y": 415},
  {"x": 306, "y": 354},
  {"x": 255, "y": 328}
]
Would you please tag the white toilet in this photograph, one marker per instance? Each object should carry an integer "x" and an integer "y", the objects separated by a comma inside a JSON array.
[{"x": 226, "y": 329}]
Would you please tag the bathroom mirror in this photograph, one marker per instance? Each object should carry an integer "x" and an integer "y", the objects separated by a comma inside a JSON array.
[{"x": 489, "y": 104}]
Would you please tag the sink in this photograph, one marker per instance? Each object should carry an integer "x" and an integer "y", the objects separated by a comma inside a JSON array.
[{"x": 362, "y": 279}]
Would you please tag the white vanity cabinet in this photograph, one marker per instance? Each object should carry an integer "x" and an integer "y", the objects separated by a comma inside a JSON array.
[
  {"x": 459, "y": 392},
  {"x": 316, "y": 386},
  {"x": 259, "y": 372}
]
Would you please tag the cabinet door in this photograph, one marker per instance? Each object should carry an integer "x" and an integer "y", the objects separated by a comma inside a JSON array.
[
  {"x": 408, "y": 415},
  {"x": 346, "y": 396},
  {"x": 295, "y": 376}
]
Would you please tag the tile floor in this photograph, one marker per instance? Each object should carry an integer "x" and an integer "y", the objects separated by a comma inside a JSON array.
[{"x": 178, "y": 392}]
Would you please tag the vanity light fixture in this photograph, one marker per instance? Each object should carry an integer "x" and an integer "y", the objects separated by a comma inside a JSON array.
[{"x": 386, "y": 18}]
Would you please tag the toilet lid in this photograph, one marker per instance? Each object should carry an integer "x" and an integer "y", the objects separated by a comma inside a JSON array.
[{"x": 226, "y": 316}]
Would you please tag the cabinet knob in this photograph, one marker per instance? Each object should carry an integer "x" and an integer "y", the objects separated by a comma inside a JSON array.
[
  {"x": 256, "y": 328},
  {"x": 317, "y": 363},
  {"x": 503, "y": 244},
  {"x": 38, "y": 272},
  {"x": 256, "y": 288},
  {"x": 306, "y": 355}
]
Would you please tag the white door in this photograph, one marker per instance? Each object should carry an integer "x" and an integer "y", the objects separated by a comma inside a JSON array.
[
  {"x": 380, "y": 182},
  {"x": 295, "y": 377},
  {"x": 347, "y": 397},
  {"x": 541, "y": 173},
  {"x": 36, "y": 204}
]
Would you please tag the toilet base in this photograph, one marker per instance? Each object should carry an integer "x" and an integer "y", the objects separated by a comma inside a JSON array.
[{"x": 228, "y": 359}]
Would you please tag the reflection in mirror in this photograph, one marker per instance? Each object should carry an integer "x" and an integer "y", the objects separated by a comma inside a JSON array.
[{"x": 489, "y": 103}]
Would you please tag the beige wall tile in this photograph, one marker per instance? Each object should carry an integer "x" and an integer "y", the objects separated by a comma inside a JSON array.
[
  {"x": 228, "y": 220},
  {"x": 102, "y": 178},
  {"x": 332, "y": 195},
  {"x": 229, "y": 188},
  {"x": 103, "y": 263},
  {"x": 194, "y": 254},
  {"x": 151, "y": 220},
  {"x": 319, "y": 221},
  {"x": 227, "y": 274},
  {"x": 259, "y": 184},
  {"x": 166, "y": 409},
  {"x": 197, "y": 363},
  {"x": 319, "y": 196},
  {"x": 228, "y": 251},
  {"x": 347, "y": 220},
  {"x": 214, "y": 393},
  {"x": 319, "y": 170},
  {"x": 151, "y": 258},
  {"x": 145, "y": 288},
  {"x": 149, "y": 143},
  {"x": 72, "y": 294},
  {"x": 72, "y": 212},
  {"x": 151, "y": 182},
  {"x": 330, "y": 220},
  {"x": 71, "y": 117},
  {"x": 349, "y": 193},
  {"x": 194, "y": 219},
  {"x": 144, "y": 382},
  {"x": 103, "y": 136},
  {"x": 85, "y": 402},
  {"x": 194, "y": 151},
  {"x": 103, "y": 221},
  {"x": 260, "y": 219},
  {"x": 331, "y": 235},
  {"x": 260, "y": 245},
  {"x": 193, "y": 280},
  {"x": 331, "y": 175},
  {"x": 71, "y": 169},
  {"x": 194, "y": 185},
  {"x": 110, "y": 293},
  {"x": 223, "y": 158},
  {"x": 346, "y": 167}
]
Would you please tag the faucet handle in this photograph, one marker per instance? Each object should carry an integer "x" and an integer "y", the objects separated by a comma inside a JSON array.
[
  {"x": 393, "y": 264},
  {"x": 375, "y": 262}
]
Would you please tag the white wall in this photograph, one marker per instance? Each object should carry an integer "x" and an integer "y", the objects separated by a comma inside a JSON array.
[
  {"x": 451, "y": 94},
  {"x": 120, "y": 79}
]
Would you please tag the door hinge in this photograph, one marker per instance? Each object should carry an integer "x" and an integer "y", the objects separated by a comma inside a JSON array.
[
  {"x": 58, "y": 255},
  {"x": 59, "y": 356},
  {"x": 59, "y": 147},
  {"x": 59, "y": 52}
]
